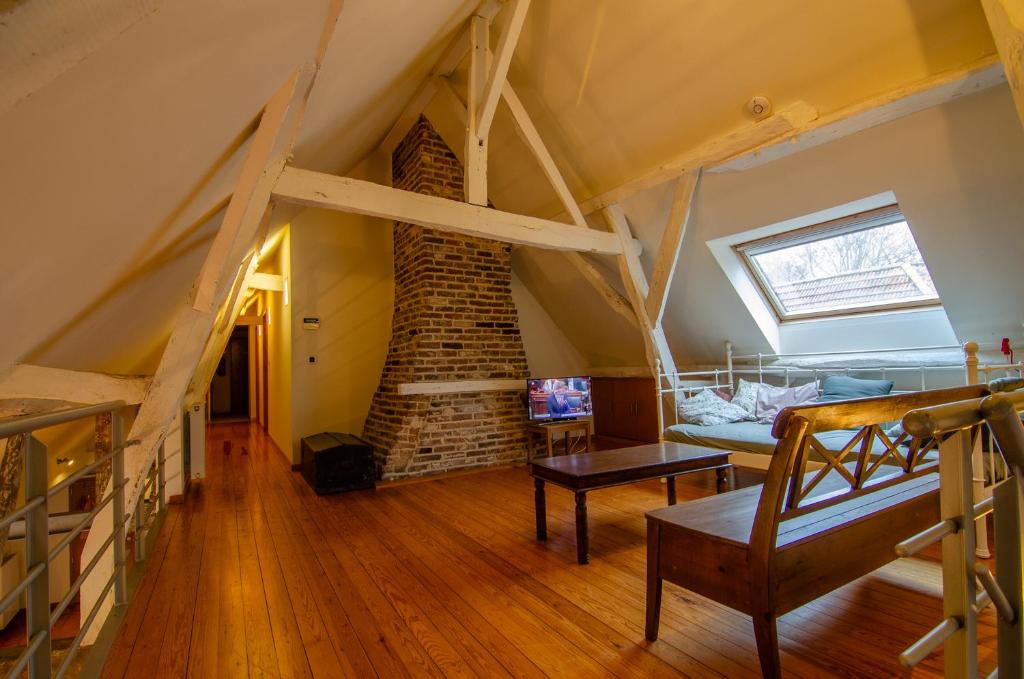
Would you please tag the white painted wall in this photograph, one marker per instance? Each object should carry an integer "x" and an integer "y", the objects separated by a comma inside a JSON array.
[
  {"x": 342, "y": 271},
  {"x": 548, "y": 350}
]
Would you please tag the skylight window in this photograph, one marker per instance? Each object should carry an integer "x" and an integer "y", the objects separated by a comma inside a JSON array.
[{"x": 865, "y": 262}]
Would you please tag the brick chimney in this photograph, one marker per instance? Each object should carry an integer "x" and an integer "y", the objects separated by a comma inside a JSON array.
[{"x": 454, "y": 320}]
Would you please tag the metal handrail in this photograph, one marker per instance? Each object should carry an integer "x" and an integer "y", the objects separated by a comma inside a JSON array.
[
  {"x": 27, "y": 423},
  {"x": 37, "y": 639},
  {"x": 34, "y": 503},
  {"x": 29, "y": 578},
  {"x": 83, "y": 576},
  {"x": 849, "y": 352},
  {"x": 34, "y": 586},
  {"x": 91, "y": 467}
]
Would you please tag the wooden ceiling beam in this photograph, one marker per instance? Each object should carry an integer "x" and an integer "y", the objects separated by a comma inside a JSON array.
[
  {"x": 316, "y": 189},
  {"x": 892, "y": 105},
  {"x": 656, "y": 350},
  {"x": 221, "y": 334},
  {"x": 528, "y": 134},
  {"x": 24, "y": 381},
  {"x": 265, "y": 281},
  {"x": 671, "y": 244},
  {"x": 778, "y": 126},
  {"x": 500, "y": 63},
  {"x": 1006, "y": 22}
]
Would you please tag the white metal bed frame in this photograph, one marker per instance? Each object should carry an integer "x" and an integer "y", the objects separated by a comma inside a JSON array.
[{"x": 687, "y": 383}]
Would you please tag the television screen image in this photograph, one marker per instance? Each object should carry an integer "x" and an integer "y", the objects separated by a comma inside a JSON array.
[{"x": 559, "y": 398}]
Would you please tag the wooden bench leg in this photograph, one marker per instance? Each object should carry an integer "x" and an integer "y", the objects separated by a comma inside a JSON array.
[
  {"x": 582, "y": 541},
  {"x": 653, "y": 582},
  {"x": 540, "y": 508},
  {"x": 767, "y": 635},
  {"x": 670, "y": 481}
]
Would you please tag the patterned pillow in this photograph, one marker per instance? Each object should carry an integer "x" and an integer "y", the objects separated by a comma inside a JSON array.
[
  {"x": 707, "y": 409},
  {"x": 746, "y": 397}
]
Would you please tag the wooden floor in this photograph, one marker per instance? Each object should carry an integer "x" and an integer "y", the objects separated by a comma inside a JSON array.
[{"x": 257, "y": 576}]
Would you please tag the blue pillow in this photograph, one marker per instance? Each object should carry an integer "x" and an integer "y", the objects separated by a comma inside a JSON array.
[{"x": 843, "y": 387}]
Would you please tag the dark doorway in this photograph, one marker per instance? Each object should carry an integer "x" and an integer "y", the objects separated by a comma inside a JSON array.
[{"x": 229, "y": 389}]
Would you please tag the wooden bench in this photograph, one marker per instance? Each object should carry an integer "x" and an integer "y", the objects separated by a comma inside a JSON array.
[{"x": 769, "y": 549}]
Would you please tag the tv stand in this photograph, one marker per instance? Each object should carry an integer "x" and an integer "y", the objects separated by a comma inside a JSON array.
[{"x": 547, "y": 430}]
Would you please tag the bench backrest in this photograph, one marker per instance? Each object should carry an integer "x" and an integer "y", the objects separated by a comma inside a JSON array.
[{"x": 869, "y": 461}]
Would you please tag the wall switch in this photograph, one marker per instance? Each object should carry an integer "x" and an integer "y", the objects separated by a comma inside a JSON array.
[{"x": 312, "y": 359}]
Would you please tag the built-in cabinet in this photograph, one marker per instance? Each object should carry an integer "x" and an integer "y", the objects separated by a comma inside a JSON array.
[{"x": 626, "y": 408}]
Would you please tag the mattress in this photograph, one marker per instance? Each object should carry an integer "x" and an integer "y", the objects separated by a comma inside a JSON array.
[{"x": 752, "y": 437}]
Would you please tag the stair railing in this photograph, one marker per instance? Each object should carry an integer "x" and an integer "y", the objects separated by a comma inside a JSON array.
[
  {"x": 40, "y": 620},
  {"x": 955, "y": 425}
]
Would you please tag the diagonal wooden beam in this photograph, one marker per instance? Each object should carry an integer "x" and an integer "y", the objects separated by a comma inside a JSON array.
[
  {"x": 667, "y": 256},
  {"x": 592, "y": 275},
  {"x": 270, "y": 146},
  {"x": 499, "y": 66},
  {"x": 221, "y": 333},
  {"x": 528, "y": 134},
  {"x": 750, "y": 136},
  {"x": 636, "y": 289},
  {"x": 315, "y": 189},
  {"x": 192, "y": 329},
  {"x": 531, "y": 138},
  {"x": 1006, "y": 22}
]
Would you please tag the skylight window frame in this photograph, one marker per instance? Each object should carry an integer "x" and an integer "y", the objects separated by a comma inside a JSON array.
[{"x": 860, "y": 221}]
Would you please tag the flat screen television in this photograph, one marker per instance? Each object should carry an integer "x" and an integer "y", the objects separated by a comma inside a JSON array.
[{"x": 559, "y": 398}]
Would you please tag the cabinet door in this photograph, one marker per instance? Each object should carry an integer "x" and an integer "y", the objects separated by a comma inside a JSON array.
[
  {"x": 625, "y": 407},
  {"x": 606, "y": 414}
]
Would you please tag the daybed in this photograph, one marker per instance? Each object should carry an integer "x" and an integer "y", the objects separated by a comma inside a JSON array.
[{"x": 752, "y": 443}]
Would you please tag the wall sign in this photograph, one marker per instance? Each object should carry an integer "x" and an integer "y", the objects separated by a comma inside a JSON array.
[{"x": 311, "y": 322}]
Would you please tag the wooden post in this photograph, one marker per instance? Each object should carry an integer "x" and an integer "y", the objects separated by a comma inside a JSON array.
[
  {"x": 1006, "y": 21},
  {"x": 476, "y": 147},
  {"x": 958, "y": 584},
  {"x": 978, "y": 480}
]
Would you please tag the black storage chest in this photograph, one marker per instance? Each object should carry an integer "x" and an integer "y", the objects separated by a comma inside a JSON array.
[{"x": 333, "y": 462}]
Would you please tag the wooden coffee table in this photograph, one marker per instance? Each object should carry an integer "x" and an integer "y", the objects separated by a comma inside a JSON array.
[{"x": 591, "y": 471}]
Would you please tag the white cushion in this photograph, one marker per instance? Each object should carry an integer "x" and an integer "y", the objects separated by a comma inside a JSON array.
[
  {"x": 770, "y": 400},
  {"x": 705, "y": 408}
]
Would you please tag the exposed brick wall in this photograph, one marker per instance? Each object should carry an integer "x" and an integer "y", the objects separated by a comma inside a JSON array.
[{"x": 454, "y": 319}]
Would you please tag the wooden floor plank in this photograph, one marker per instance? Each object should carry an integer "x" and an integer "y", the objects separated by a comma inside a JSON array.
[
  {"x": 257, "y": 576},
  {"x": 116, "y": 664},
  {"x": 432, "y": 625}
]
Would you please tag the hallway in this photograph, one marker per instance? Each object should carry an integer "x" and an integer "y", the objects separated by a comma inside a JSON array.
[{"x": 256, "y": 576}]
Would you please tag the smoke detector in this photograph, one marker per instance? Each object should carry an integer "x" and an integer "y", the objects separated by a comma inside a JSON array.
[{"x": 759, "y": 107}]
